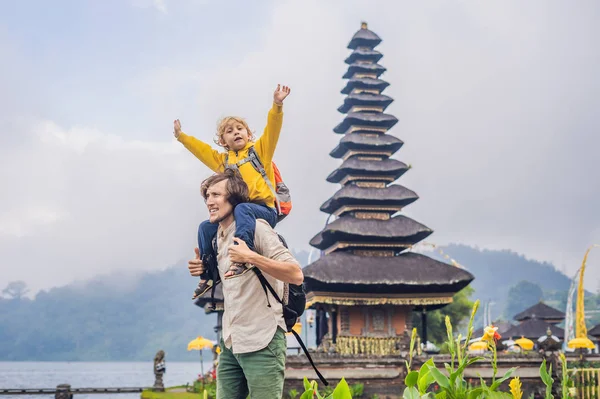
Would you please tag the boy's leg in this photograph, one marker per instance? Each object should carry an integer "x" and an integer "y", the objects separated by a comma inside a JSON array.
[
  {"x": 264, "y": 369},
  {"x": 245, "y": 215},
  {"x": 206, "y": 233},
  {"x": 231, "y": 383}
]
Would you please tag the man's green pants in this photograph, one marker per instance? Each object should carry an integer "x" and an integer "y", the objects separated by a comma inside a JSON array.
[{"x": 259, "y": 373}]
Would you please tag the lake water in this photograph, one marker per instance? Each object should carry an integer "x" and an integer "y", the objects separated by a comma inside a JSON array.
[{"x": 91, "y": 374}]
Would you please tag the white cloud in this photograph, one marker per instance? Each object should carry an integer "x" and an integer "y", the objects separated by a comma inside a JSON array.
[
  {"x": 159, "y": 5},
  {"x": 496, "y": 106}
]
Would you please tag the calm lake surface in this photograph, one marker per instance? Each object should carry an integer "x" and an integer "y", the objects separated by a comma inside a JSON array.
[{"x": 92, "y": 374}]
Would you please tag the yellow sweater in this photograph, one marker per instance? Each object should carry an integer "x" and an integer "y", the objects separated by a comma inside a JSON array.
[{"x": 264, "y": 146}]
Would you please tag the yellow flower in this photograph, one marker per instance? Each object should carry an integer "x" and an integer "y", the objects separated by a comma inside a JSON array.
[
  {"x": 515, "y": 388},
  {"x": 490, "y": 333}
]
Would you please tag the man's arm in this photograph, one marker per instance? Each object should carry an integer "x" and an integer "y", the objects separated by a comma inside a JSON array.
[
  {"x": 266, "y": 144},
  {"x": 273, "y": 257},
  {"x": 204, "y": 152}
]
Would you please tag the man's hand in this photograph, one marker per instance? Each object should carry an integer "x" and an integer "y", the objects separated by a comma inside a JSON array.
[
  {"x": 280, "y": 94},
  {"x": 195, "y": 265},
  {"x": 177, "y": 129},
  {"x": 240, "y": 253}
]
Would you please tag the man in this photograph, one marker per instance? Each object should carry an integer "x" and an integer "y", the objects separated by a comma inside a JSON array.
[{"x": 253, "y": 347}]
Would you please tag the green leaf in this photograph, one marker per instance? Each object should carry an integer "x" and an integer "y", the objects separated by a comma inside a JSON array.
[
  {"x": 342, "y": 391},
  {"x": 308, "y": 394},
  {"x": 425, "y": 377},
  {"x": 475, "y": 393},
  {"x": 464, "y": 364},
  {"x": 544, "y": 374},
  {"x": 441, "y": 395},
  {"x": 506, "y": 376},
  {"x": 498, "y": 395},
  {"x": 440, "y": 378},
  {"x": 411, "y": 393},
  {"x": 306, "y": 384},
  {"x": 411, "y": 379}
]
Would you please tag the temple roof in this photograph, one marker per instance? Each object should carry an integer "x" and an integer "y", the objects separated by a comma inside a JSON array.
[
  {"x": 363, "y": 68},
  {"x": 364, "y": 38},
  {"x": 368, "y": 196},
  {"x": 364, "y": 54},
  {"x": 533, "y": 329},
  {"x": 355, "y": 166},
  {"x": 397, "y": 230},
  {"x": 595, "y": 331},
  {"x": 365, "y": 83},
  {"x": 366, "y": 119},
  {"x": 540, "y": 311},
  {"x": 355, "y": 141},
  {"x": 407, "y": 272},
  {"x": 367, "y": 99}
]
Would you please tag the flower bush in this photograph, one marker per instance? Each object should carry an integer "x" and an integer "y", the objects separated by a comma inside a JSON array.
[{"x": 432, "y": 382}]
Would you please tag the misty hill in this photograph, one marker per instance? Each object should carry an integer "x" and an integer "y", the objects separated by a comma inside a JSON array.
[
  {"x": 130, "y": 317},
  {"x": 496, "y": 272}
]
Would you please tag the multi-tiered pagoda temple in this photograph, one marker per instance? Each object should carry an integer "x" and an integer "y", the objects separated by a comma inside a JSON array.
[{"x": 366, "y": 284}]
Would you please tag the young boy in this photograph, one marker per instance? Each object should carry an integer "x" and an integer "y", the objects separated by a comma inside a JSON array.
[{"x": 235, "y": 136}]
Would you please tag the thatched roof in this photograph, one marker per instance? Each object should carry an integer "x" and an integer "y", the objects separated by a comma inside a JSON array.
[
  {"x": 353, "y": 141},
  {"x": 541, "y": 311},
  {"x": 533, "y": 329},
  {"x": 364, "y": 38},
  {"x": 595, "y": 331},
  {"x": 367, "y": 99},
  {"x": 364, "y": 68},
  {"x": 364, "y": 83},
  {"x": 363, "y": 54},
  {"x": 366, "y": 119},
  {"x": 393, "y": 195},
  {"x": 355, "y": 166},
  {"x": 408, "y": 272},
  {"x": 397, "y": 230}
]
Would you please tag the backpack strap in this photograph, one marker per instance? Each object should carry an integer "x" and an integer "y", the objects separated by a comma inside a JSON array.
[
  {"x": 258, "y": 165},
  {"x": 265, "y": 284},
  {"x": 312, "y": 363}
]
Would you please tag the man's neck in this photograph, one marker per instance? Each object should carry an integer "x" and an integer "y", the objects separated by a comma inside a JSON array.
[{"x": 225, "y": 223}]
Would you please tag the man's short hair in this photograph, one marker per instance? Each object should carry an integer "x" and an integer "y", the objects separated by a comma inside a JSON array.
[{"x": 237, "y": 189}]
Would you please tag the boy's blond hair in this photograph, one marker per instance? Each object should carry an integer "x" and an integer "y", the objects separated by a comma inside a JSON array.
[{"x": 228, "y": 120}]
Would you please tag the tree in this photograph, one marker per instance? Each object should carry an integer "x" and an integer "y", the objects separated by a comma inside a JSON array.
[
  {"x": 15, "y": 290},
  {"x": 459, "y": 311},
  {"x": 521, "y": 296}
]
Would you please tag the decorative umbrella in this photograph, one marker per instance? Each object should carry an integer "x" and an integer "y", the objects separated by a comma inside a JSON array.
[
  {"x": 198, "y": 344},
  {"x": 478, "y": 346},
  {"x": 524, "y": 343}
]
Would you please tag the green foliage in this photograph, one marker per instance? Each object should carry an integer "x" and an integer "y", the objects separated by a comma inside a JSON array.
[
  {"x": 458, "y": 310},
  {"x": 545, "y": 374},
  {"x": 293, "y": 393},
  {"x": 521, "y": 296},
  {"x": 341, "y": 391}
]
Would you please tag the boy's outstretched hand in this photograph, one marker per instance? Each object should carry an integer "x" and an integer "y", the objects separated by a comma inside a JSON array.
[
  {"x": 176, "y": 128},
  {"x": 281, "y": 92}
]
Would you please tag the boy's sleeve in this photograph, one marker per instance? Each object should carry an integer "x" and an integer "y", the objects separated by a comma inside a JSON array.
[
  {"x": 204, "y": 152},
  {"x": 265, "y": 145}
]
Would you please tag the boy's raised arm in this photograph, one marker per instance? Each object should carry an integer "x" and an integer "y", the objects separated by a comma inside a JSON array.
[
  {"x": 266, "y": 144},
  {"x": 204, "y": 152}
]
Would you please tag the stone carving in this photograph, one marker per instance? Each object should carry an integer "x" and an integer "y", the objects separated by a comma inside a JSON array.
[{"x": 159, "y": 370}]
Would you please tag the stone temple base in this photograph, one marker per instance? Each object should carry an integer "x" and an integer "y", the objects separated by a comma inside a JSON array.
[{"x": 383, "y": 376}]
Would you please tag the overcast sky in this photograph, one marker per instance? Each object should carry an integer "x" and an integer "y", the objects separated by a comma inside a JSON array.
[{"x": 497, "y": 104}]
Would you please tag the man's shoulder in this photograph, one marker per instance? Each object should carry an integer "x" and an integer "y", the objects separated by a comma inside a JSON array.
[
  {"x": 264, "y": 230},
  {"x": 268, "y": 242}
]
